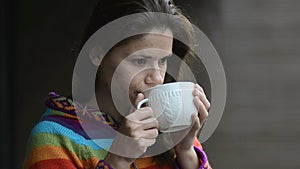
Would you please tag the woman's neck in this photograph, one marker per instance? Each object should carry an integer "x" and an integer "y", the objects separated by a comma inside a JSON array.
[{"x": 105, "y": 102}]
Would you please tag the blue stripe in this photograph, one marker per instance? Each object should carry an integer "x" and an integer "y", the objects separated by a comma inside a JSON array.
[{"x": 55, "y": 128}]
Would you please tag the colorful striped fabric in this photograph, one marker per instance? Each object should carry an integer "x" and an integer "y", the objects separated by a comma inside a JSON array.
[{"x": 59, "y": 141}]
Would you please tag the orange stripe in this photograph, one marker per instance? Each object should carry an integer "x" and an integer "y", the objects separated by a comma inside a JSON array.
[
  {"x": 197, "y": 143},
  {"x": 70, "y": 116},
  {"x": 145, "y": 162},
  {"x": 53, "y": 152}
]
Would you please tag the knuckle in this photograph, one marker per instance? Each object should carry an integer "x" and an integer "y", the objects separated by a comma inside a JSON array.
[
  {"x": 129, "y": 118},
  {"x": 202, "y": 95},
  {"x": 195, "y": 92},
  {"x": 139, "y": 110},
  {"x": 148, "y": 109},
  {"x": 208, "y": 105},
  {"x": 126, "y": 124},
  {"x": 200, "y": 104},
  {"x": 200, "y": 88},
  {"x": 203, "y": 116},
  {"x": 206, "y": 114},
  {"x": 133, "y": 134},
  {"x": 131, "y": 130}
]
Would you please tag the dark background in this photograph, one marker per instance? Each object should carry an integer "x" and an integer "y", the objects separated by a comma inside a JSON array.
[{"x": 257, "y": 40}]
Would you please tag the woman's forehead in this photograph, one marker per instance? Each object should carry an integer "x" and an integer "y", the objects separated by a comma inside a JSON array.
[
  {"x": 151, "y": 53},
  {"x": 143, "y": 45},
  {"x": 158, "y": 41}
]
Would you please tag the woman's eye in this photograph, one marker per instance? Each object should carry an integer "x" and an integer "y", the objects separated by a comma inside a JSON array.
[
  {"x": 163, "y": 60},
  {"x": 139, "y": 61}
]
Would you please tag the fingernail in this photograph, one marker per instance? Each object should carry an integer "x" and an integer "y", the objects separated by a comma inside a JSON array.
[{"x": 139, "y": 95}]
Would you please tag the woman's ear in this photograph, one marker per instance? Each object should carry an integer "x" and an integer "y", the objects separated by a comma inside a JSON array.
[{"x": 96, "y": 55}]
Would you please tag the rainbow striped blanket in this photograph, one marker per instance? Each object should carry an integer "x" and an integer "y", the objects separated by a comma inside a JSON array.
[{"x": 59, "y": 141}]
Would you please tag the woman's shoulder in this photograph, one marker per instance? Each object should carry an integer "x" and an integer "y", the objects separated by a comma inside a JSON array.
[
  {"x": 51, "y": 132},
  {"x": 61, "y": 121},
  {"x": 59, "y": 117},
  {"x": 50, "y": 140}
]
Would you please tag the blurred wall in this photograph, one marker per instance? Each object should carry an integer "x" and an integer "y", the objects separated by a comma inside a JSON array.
[
  {"x": 258, "y": 42},
  {"x": 258, "y": 45}
]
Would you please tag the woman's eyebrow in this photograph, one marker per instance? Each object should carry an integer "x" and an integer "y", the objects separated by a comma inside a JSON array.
[
  {"x": 151, "y": 57},
  {"x": 145, "y": 56}
]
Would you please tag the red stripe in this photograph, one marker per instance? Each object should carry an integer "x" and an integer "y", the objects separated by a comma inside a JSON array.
[{"x": 54, "y": 164}]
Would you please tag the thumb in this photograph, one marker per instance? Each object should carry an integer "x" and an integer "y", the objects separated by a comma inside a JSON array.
[
  {"x": 195, "y": 125},
  {"x": 138, "y": 98}
]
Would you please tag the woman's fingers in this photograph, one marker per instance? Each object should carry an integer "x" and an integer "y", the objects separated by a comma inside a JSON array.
[
  {"x": 140, "y": 114},
  {"x": 144, "y": 143},
  {"x": 197, "y": 86},
  {"x": 203, "y": 113},
  {"x": 201, "y": 102},
  {"x": 141, "y": 124},
  {"x": 147, "y": 128},
  {"x": 146, "y": 134},
  {"x": 129, "y": 146},
  {"x": 149, "y": 123},
  {"x": 198, "y": 91},
  {"x": 187, "y": 142},
  {"x": 196, "y": 125},
  {"x": 137, "y": 132},
  {"x": 149, "y": 134}
]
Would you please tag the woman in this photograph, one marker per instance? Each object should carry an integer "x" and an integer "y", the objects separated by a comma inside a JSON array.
[{"x": 59, "y": 140}]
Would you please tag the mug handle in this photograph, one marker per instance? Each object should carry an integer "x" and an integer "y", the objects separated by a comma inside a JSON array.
[{"x": 141, "y": 103}]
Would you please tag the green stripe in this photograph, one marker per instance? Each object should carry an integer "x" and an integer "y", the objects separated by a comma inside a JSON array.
[{"x": 82, "y": 151}]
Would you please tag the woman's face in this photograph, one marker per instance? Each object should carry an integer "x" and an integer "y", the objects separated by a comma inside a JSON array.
[{"x": 137, "y": 65}]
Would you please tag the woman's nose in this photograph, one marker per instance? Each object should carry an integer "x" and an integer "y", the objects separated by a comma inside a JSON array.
[{"x": 154, "y": 76}]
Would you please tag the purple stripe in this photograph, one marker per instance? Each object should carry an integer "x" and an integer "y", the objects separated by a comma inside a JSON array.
[
  {"x": 92, "y": 129},
  {"x": 201, "y": 154}
]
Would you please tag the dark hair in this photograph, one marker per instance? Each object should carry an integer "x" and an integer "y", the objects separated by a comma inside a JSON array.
[{"x": 109, "y": 10}]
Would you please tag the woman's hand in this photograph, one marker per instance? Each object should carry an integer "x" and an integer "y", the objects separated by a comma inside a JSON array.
[
  {"x": 185, "y": 152},
  {"x": 138, "y": 131},
  {"x": 201, "y": 103}
]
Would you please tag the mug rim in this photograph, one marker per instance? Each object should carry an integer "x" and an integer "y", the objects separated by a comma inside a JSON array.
[{"x": 167, "y": 84}]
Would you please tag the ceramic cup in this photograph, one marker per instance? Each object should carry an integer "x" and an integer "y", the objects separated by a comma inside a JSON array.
[{"x": 172, "y": 105}]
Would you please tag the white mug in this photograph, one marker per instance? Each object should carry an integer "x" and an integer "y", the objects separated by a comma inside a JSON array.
[{"x": 172, "y": 105}]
